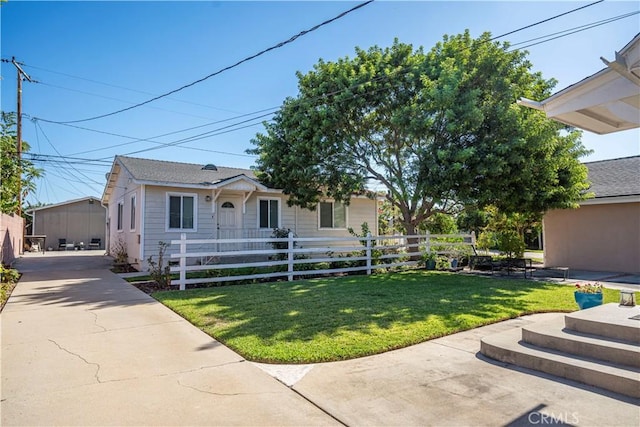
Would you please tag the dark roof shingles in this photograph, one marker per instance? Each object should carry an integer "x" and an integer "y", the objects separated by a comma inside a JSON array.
[
  {"x": 164, "y": 172},
  {"x": 615, "y": 177}
]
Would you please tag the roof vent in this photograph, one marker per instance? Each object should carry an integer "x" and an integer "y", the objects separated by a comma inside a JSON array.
[{"x": 209, "y": 167}]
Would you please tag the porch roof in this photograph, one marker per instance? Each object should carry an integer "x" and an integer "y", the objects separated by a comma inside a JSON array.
[{"x": 605, "y": 102}]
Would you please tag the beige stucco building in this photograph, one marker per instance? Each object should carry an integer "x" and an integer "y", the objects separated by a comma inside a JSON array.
[
  {"x": 603, "y": 234},
  {"x": 77, "y": 221}
]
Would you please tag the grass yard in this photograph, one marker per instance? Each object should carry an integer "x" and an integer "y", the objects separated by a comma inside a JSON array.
[{"x": 331, "y": 319}]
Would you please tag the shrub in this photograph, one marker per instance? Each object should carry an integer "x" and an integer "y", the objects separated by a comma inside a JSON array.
[
  {"x": 157, "y": 270},
  {"x": 281, "y": 233},
  {"x": 119, "y": 252}
]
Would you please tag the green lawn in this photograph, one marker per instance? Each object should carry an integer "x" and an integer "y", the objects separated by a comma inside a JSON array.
[{"x": 342, "y": 318}]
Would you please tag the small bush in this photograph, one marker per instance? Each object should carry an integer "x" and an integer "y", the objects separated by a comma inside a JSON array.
[
  {"x": 9, "y": 279},
  {"x": 159, "y": 272}
]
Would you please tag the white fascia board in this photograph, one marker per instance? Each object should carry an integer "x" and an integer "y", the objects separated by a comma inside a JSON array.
[{"x": 609, "y": 88}]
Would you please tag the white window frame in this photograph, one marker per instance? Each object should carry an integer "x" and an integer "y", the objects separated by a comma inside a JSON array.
[
  {"x": 333, "y": 216},
  {"x": 132, "y": 213},
  {"x": 167, "y": 212},
  {"x": 279, "y": 212},
  {"x": 120, "y": 216}
]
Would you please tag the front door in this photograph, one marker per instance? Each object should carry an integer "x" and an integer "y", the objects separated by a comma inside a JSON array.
[{"x": 229, "y": 220}]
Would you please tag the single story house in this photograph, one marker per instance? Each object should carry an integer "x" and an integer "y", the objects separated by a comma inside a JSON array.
[
  {"x": 149, "y": 201},
  {"x": 603, "y": 234},
  {"x": 77, "y": 221}
]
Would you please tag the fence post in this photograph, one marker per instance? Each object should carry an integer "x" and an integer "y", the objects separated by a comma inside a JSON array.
[
  {"x": 368, "y": 250},
  {"x": 427, "y": 241},
  {"x": 290, "y": 256},
  {"x": 183, "y": 261}
]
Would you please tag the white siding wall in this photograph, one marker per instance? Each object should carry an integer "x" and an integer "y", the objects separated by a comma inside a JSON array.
[
  {"x": 360, "y": 210},
  {"x": 303, "y": 222},
  {"x": 122, "y": 193},
  {"x": 155, "y": 210}
]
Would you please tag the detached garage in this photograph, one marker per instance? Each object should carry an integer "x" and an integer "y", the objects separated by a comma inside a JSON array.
[{"x": 77, "y": 221}]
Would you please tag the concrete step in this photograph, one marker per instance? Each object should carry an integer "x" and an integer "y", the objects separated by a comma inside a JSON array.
[
  {"x": 553, "y": 335},
  {"x": 607, "y": 320},
  {"x": 508, "y": 347}
]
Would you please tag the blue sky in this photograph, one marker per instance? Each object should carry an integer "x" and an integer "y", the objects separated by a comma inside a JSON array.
[{"x": 92, "y": 58}]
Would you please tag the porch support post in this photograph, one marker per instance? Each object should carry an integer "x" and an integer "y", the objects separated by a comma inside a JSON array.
[
  {"x": 244, "y": 201},
  {"x": 216, "y": 194}
]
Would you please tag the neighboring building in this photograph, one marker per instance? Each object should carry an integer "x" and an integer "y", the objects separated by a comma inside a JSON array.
[
  {"x": 149, "y": 201},
  {"x": 603, "y": 234},
  {"x": 77, "y": 221}
]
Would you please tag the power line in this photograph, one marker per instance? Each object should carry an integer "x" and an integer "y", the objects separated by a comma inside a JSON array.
[
  {"x": 119, "y": 100},
  {"x": 242, "y": 61},
  {"x": 126, "y": 88},
  {"x": 71, "y": 166},
  {"x": 571, "y": 31},
  {"x": 234, "y": 127},
  {"x": 152, "y": 139},
  {"x": 546, "y": 20}
]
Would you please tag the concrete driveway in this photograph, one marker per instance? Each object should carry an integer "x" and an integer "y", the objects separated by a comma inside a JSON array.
[{"x": 82, "y": 347}]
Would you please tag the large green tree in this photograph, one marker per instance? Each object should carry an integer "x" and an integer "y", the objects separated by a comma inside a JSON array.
[
  {"x": 438, "y": 129},
  {"x": 18, "y": 175}
]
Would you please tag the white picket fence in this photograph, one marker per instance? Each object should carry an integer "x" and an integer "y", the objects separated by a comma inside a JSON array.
[{"x": 370, "y": 252}]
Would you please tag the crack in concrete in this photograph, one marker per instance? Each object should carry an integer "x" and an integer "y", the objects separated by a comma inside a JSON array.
[
  {"x": 96, "y": 375},
  {"x": 210, "y": 392},
  {"x": 95, "y": 320},
  {"x": 188, "y": 371}
]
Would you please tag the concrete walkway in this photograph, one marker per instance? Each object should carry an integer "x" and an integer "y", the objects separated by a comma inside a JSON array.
[
  {"x": 82, "y": 347},
  {"x": 447, "y": 382}
]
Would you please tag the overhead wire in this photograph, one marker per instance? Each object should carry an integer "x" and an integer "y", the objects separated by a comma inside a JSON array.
[
  {"x": 35, "y": 67},
  {"x": 71, "y": 166},
  {"x": 324, "y": 96},
  {"x": 220, "y": 71},
  {"x": 574, "y": 30},
  {"x": 151, "y": 139},
  {"x": 275, "y": 108},
  {"x": 120, "y": 100}
]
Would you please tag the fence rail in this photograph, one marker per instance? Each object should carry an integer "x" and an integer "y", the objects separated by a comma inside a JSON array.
[{"x": 308, "y": 256}]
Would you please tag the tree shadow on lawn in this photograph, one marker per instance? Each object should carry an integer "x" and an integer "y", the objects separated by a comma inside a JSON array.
[{"x": 434, "y": 303}]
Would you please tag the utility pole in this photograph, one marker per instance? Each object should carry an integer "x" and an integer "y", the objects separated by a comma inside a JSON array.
[{"x": 21, "y": 74}]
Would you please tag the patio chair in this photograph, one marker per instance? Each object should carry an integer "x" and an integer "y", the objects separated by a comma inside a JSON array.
[
  {"x": 62, "y": 244},
  {"x": 95, "y": 243}
]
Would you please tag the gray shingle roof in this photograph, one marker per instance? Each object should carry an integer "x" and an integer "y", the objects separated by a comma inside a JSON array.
[
  {"x": 615, "y": 177},
  {"x": 163, "y": 172}
]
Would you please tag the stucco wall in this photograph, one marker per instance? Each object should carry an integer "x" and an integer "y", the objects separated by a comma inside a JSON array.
[
  {"x": 11, "y": 227},
  {"x": 603, "y": 237}
]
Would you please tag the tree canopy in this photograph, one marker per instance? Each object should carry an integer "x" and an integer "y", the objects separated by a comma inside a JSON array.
[
  {"x": 17, "y": 177},
  {"x": 438, "y": 129}
]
